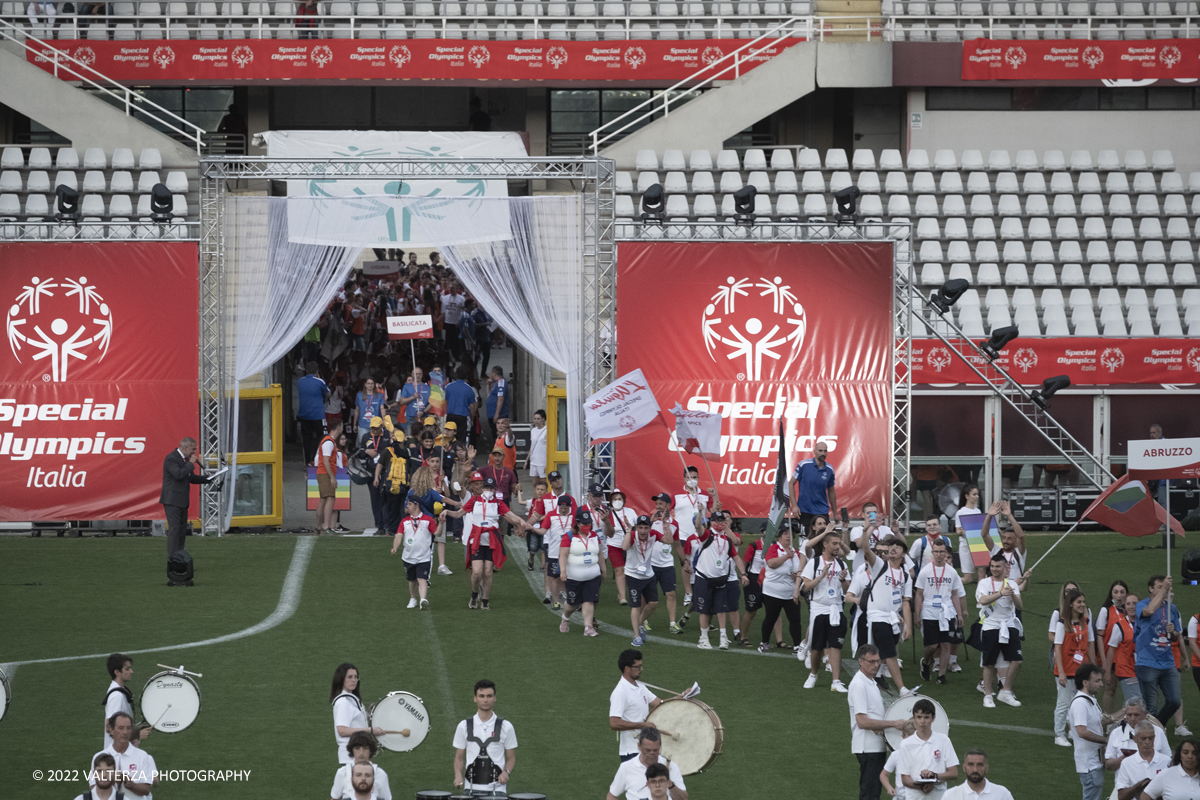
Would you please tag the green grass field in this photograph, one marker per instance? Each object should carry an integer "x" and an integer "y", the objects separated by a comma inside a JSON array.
[{"x": 265, "y": 697}]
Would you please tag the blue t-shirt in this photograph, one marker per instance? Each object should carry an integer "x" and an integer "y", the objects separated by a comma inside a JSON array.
[
  {"x": 413, "y": 410},
  {"x": 1151, "y": 647},
  {"x": 498, "y": 395},
  {"x": 483, "y": 330},
  {"x": 312, "y": 391},
  {"x": 813, "y": 483},
  {"x": 368, "y": 407},
  {"x": 459, "y": 397}
]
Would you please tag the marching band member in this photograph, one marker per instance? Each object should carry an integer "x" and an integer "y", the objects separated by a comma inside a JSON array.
[
  {"x": 580, "y": 555},
  {"x": 136, "y": 773},
  {"x": 485, "y": 746},
  {"x": 118, "y": 697},
  {"x": 630, "y": 703},
  {"x": 632, "y": 780},
  {"x": 416, "y": 534},
  {"x": 349, "y": 715},
  {"x": 362, "y": 747}
]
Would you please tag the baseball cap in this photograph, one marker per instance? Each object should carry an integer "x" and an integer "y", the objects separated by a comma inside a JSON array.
[
  {"x": 662, "y": 496},
  {"x": 596, "y": 488},
  {"x": 429, "y": 421},
  {"x": 555, "y": 475},
  {"x": 718, "y": 516},
  {"x": 565, "y": 500},
  {"x": 616, "y": 492},
  {"x": 642, "y": 520},
  {"x": 497, "y": 450},
  {"x": 376, "y": 422},
  {"x": 476, "y": 476},
  {"x": 584, "y": 517},
  {"x": 451, "y": 426},
  {"x": 489, "y": 483}
]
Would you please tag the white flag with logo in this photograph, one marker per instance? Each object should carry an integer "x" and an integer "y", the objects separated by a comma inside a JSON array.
[
  {"x": 698, "y": 432},
  {"x": 624, "y": 406}
]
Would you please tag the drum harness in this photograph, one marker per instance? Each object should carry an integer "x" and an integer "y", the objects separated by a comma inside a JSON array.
[
  {"x": 119, "y": 690},
  {"x": 483, "y": 766}
]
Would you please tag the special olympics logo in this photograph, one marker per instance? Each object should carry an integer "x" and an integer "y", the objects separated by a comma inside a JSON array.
[
  {"x": 1025, "y": 359},
  {"x": 635, "y": 57},
  {"x": 399, "y": 55},
  {"x": 711, "y": 55},
  {"x": 627, "y": 422},
  {"x": 1170, "y": 56},
  {"x": 1093, "y": 56},
  {"x": 322, "y": 55},
  {"x": 1112, "y": 359},
  {"x": 163, "y": 56},
  {"x": 755, "y": 335},
  {"x": 85, "y": 56},
  {"x": 939, "y": 358},
  {"x": 57, "y": 328},
  {"x": 1015, "y": 56},
  {"x": 242, "y": 55},
  {"x": 556, "y": 56},
  {"x": 478, "y": 56},
  {"x": 1193, "y": 358}
]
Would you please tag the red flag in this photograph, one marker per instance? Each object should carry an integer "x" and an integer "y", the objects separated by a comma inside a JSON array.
[{"x": 1127, "y": 508}]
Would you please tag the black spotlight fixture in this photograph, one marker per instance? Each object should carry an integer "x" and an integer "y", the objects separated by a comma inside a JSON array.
[
  {"x": 998, "y": 341},
  {"x": 1191, "y": 567},
  {"x": 743, "y": 204},
  {"x": 653, "y": 205},
  {"x": 948, "y": 295},
  {"x": 68, "y": 204},
  {"x": 1050, "y": 387},
  {"x": 847, "y": 203},
  {"x": 161, "y": 204}
]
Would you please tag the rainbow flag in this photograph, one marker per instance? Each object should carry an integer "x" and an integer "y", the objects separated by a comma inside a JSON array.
[
  {"x": 973, "y": 529},
  {"x": 437, "y": 400},
  {"x": 341, "y": 502}
]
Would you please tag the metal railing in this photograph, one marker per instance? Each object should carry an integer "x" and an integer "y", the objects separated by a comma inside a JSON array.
[
  {"x": 66, "y": 65},
  {"x": 1080, "y": 28}
]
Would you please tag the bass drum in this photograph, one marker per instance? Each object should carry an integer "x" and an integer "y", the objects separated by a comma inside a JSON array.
[
  {"x": 902, "y": 709},
  {"x": 170, "y": 702},
  {"x": 695, "y": 738},
  {"x": 6, "y": 691},
  {"x": 400, "y": 711}
]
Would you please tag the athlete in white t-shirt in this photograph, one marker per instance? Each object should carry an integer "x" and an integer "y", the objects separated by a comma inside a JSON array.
[
  {"x": 553, "y": 526},
  {"x": 888, "y": 622},
  {"x": 825, "y": 579},
  {"x": 485, "y": 746},
  {"x": 938, "y": 602},
  {"x": 999, "y": 600},
  {"x": 638, "y": 548},
  {"x": 415, "y": 533},
  {"x": 662, "y": 560},
  {"x": 621, "y": 517}
]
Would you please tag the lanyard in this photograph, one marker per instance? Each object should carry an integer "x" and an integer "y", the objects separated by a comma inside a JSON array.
[
  {"x": 832, "y": 575},
  {"x": 895, "y": 585},
  {"x": 938, "y": 579},
  {"x": 642, "y": 551},
  {"x": 1077, "y": 633}
]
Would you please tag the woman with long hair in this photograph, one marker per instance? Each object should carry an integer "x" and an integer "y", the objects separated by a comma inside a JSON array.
[
  {"x": 367, "y": 403},
  {"x": 423, "y": 485},
  {"x": 1117, "y": 648},
  {"x": 349, "y": 714},
  {"x": 1178, "y": 782},
  {"x": 1074, "y": 646},
  {"x": 1106, "y": 617}
]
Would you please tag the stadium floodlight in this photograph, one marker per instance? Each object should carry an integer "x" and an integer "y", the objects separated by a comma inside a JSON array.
[
  {"x": 1191, "y": 567},
  {"x": 998, "y": 341},
  {"x": 948, "y": 295},
  {"x": 1050, "y": 387},
  {"x": 653, "y": 205},
  {"x": 68, "y": 204},
  {"x": 743, "y": 204},
  {"x": 847, "y": 203},
  {"x": 161, "y": 204}
]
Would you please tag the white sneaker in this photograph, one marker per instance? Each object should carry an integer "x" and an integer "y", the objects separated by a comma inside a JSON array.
[
  {"x": 444, "y": 570},
  {"x": 989, "y": 701},
  {"x": 979, "y": 688},
  {"x": 1182, "y": 730},
  {"x": 802, "y": 651},
  {"x": 954, "y": 667},
  {"x": 808, "y": 660},
  {"x": 687, "y": 599},
  {"x": 369, "y": 531},
  {"x": 704, "y": 643},
  {"x": 424, "y": 605},
  {"x": 1009, "y": 699},
  {"x": 839, "y": 687},
  {"x": 412, "y": 602},
  {"x": 1061, "y": 741},
  {"x": 724, "y": 643},
  {"x": 810, "y": 681},
  {"x": 828, "y": 668}
]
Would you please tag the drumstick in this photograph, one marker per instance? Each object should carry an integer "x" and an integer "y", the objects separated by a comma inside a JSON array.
[
  {"x": 405, "y": 732},
  {"x": 661, "y": 689},
  {"x": 181, "y": 670},
  {"x": 160, "y": 716}
]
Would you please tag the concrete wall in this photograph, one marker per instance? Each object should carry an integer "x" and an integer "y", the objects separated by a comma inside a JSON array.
[{"x": 1058, "y": 130}]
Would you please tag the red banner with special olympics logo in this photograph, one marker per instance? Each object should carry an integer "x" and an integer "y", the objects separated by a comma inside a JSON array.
[
  {"x": 1086, "y": 361},
  {"x": 760, "y": 333},
  {"x": 98, "y": 376},
  {"x": 1080, "y": 59},
  {"x": 409, "y": 59}
]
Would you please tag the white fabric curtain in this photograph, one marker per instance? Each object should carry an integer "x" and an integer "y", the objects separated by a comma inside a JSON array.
[
  {"x": 531, "y": 285},
  {"x": 275, "y": 290}
]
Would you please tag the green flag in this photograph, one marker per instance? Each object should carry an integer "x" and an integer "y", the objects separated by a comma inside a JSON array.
[{"x": 779, "y": 496}]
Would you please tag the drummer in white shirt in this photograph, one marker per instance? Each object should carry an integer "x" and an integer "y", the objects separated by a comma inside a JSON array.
[
  {"x": 349, "y": 715},
  {"x": 137, "y": 773},
  {"x": 630, "y": 779},
  {"x": 1182, "y": 780},
  {"x": 118, "y": 697},
  {"x": 1123, "y": 738},
  {"x": 977, "y": 786},
  {"x": 485, "y": 746},
  {"x": 630, "y": 703},
  {"x": 926, "y": 756},
  {"x": 362, "y": 749},
  {"x": 1136, "y": 771}
]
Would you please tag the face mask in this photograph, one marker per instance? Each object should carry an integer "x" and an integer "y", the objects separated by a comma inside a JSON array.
[
  {"x": 691, "y": 483},
  {"x": 618, "y": 504},
  {"x": 488, "y": 494},
  {"x": 718, "y": 527}
]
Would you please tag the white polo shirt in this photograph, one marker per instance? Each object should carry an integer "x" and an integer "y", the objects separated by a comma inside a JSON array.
[
  {"x": 630, "y": 779},
  {"x": 1174, "y": 784},
  {"x": 348, "y": 712},
  {"x": 1084, "y": 710},
  {"x": 114, "y": 702},
  {"x": 418, "y": 538},
  {"x": 1121, "y": 738},
  {"x": 630, "y": 702},
  {"x": 1135, "y": 769},
  {"x": 135, "y": 761},
  {"x": 990, "y": 791},
  {"x": 864, "y": 698},
  {"x": 342, "y": 787},
  {"x": 935, "y": 754},
  {"x": 483, "y": 731}
]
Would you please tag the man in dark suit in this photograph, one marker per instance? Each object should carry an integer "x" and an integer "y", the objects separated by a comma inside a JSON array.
[{"x": 178, "y": 476}]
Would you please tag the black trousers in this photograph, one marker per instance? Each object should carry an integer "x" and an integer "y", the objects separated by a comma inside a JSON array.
[
  {"x": 791, "y": 608},
  {"x": 311, "y": 431},
  {"x": 452, "y": 342},
  {"x": 393, "y": 509},
  {"x": 869, "y": 767},
  {"x": 377, "y": 506},
  {"x": 484, "y": 350},
  {"x": 177, "y": 527}
]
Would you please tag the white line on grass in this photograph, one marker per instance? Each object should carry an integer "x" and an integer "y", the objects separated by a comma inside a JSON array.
[
  {"x": 289, "y": 599},
  {"x": 439, "y": 666},
  {"x": 970, "y": 723}
]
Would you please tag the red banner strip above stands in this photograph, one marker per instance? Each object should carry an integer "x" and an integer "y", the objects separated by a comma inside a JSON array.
[
  {"x": 407, "y": 59},
  {"x": 1086, "y": 361},
  {"x": 1080, "y": 59}
]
